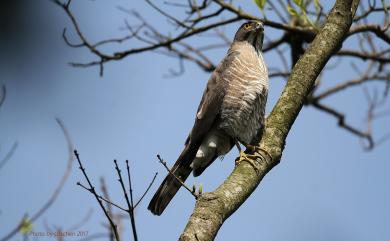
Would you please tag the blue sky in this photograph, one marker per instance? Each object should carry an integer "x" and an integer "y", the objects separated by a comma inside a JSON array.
[{"x": 325, "y": 188}]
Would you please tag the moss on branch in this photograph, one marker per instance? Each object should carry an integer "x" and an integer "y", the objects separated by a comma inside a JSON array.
[{"x": 213, "y": 208}]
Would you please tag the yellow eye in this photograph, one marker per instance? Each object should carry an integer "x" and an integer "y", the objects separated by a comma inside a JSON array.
[{"x": 247, "y": 26}]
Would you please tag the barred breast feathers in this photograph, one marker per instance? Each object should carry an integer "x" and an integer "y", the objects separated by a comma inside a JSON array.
[
  {"x": 248, "y": 63},
  {"x": 247, "y": 87},
  {"x": 246, "y": 76}
]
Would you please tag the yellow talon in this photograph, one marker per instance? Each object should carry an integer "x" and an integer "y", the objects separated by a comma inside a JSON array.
[{"x": 250, "y": 158}]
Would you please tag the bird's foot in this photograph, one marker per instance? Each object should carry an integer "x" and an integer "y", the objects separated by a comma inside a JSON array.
[{"x": 250, "y": 158}]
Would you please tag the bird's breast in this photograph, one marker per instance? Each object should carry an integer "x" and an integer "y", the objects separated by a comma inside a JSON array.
[{"x": 242, "y": 112}]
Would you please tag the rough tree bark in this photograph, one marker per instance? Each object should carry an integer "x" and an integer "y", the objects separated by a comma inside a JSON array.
[{"x": 213, "y": 208}]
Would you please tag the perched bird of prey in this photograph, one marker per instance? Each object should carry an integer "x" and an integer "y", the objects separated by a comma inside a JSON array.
[{"x": 231, "y": 111}]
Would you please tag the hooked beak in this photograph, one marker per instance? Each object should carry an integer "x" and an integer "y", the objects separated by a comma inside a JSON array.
[
  {"x": 259, "y": 26},
  {"x": 258, "y": 36}
]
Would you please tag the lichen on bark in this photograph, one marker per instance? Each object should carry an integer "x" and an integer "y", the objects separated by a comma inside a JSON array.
[{"x": 212, "y": 209}]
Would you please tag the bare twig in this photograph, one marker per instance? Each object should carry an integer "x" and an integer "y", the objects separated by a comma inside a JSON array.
[
  {"x": 82, "y": 222},
  {"x": 107, "y": 210},
  {"x": 278, "y": 13},
  {"x": 373, "y": 28},
  {"x": 279, "y": 74},
  {"x": 132, "y": 219},
  {"x": 107, "y": 200},
  {"x": 199, "y": 20},
  {"x": 3, "y": 93},
  {"x": 170, "y": 17},
  {"x": 274, "y": 44},
  {"x": 104, "y": 189},
  {"x": 364, "y": 56},
  {"x": 8, "y": 156},
  {"x": 56, "y": 191},
  {"x": 74, "y": 227},
  {"x": 238, "y": 12},
  {"x": 97, "y": 197},
  {"x": 84, "y": 42},
  {"x": 341, "y": 122},
  {"x": 368, "y": 12},
  {"x": 146, "y": 191},
  {"x": 178, "y": 179},
  {"x": 347, "y": 84},
  {"x": 103, "y": 58},
  {"x": 129, "y": 204}
]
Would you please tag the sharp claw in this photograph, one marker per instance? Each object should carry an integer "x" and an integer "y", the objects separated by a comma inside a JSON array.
[{"x": 250, "y": 158}]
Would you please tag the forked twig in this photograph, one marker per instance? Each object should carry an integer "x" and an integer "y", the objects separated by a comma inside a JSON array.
[
  {"x": 101, "y": 197},
  {"x": 55, "y": 193},
  {"x": 146, "y": 191},
  {"x": 129, "y": 200},
  {"x": 129, "y": 203},
  {"x": 98, "y": 199}
]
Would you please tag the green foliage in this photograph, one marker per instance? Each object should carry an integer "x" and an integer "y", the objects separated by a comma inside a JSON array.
[
  {"x": 260, "y": 3},
  {"x": 317, "y": 5},
  {"x": 292, "y": 11},
  {"x": 302, "y": 5},
  {"x": 298, "y": 3},
  {"x": 26, "y": 226},
  {"x": 384, "y": 5},
  {"x": 200, "y": 188}
]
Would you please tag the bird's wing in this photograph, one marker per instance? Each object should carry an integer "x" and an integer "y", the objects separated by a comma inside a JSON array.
[
  {"x": 208, "y": 110},
  {"x": 210, "y": 105}
]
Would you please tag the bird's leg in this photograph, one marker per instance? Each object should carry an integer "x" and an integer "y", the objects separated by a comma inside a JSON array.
[
  {"x": 238, "y": 145},
  {"x": 250, "y": 158},
  {"x": 243, "y": 156},
  {"x": 250, "y": 147}
]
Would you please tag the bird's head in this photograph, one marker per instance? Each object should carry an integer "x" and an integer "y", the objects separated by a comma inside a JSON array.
[{"x": 251, "y": 32}]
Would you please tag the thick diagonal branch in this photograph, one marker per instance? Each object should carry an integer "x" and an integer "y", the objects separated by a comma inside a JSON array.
[{"x": 212, "y": 209}]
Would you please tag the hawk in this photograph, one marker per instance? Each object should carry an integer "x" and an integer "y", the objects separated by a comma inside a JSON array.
[{"x": 231, "y": 111}]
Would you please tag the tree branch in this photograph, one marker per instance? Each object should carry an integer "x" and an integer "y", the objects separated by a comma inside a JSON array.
[
  {"x": 373, "y": 28},
  {"x": 9, "y": 154},
  {"x": 3, "y": 93},
  {"x": 56, "y": 191},
  {"x": 364, "y": 56},
  {"x": 129, "y": 203},
  {"x": 243, "y": 15},
  {"x": 342, "y": 123},
  {"x": 212, "y": 209},
  {"x": 349, "y": 83},
  {"x": 97, "y": 197}
]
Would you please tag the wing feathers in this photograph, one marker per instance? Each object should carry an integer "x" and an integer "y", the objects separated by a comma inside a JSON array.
[
  {"x": 207, "y": 115},
  {"x": 170, "y": 185}
]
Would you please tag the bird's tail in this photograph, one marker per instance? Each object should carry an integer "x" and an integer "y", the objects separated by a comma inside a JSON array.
[{"x": 170, "y": 185}]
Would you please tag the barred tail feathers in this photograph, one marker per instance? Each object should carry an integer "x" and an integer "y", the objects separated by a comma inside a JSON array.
[{"x": 171, "y": 185}]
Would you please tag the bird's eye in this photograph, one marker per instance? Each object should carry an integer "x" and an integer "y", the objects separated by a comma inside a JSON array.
[{"x": 247, "y": 26}]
